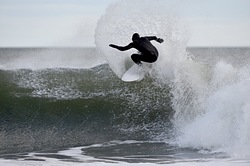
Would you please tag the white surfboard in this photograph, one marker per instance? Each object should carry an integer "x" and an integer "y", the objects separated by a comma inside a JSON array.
[{"x": 134, "y": 73}]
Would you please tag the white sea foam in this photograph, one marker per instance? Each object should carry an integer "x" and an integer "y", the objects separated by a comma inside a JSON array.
[
  {"x": 211, "y": 103},
  {"x": 219, "y": 120},
  {"x": 51, "y": 162},
  {"x": 77, "y": 157}
]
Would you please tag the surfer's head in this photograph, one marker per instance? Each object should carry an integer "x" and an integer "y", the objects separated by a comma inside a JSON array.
[{"x": 135, "y": 37}]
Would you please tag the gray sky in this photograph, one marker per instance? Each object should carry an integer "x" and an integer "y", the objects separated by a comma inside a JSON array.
[{"x": 42, "y": 23}]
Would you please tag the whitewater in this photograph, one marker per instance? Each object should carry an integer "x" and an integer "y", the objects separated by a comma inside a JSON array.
[
  {"x": 211, "y": 102},
  {"x": 68, "y": 106}
]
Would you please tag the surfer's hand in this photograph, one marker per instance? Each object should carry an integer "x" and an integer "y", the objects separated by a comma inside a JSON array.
[
  {"x": 112, "y": 45},
  {"x": 159, "y": 40}
]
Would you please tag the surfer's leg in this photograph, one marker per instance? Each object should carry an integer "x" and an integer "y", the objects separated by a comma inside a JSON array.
[
  {"x": 150, "y": 58},
  {"x": 136, "y": 58}
]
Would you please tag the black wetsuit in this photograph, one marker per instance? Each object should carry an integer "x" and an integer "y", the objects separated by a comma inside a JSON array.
[{"x": 147, "y": 52}]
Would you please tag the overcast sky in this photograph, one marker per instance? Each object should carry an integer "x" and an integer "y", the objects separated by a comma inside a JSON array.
[{"x": 43, "y": 23}]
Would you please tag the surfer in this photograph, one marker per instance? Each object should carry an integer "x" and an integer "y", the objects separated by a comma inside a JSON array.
[{"x": 147, "y": 52}]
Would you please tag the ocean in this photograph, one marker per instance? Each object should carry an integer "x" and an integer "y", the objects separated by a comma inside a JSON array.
[
  {"x": 68, "y": 106},
  {"x": 65, "y": 106}
]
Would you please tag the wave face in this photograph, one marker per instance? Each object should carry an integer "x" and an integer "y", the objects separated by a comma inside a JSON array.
[
  {"x": 205, "y": 106},
  {"x": 51, "y": 108}
]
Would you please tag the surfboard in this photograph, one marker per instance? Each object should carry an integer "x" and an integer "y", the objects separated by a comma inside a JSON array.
[{"x": 134, "y": 73}]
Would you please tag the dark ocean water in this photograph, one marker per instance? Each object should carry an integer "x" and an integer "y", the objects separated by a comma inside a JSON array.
[
  {"x": 49, "y": 104},
  {"x": 54, "y": 108}
]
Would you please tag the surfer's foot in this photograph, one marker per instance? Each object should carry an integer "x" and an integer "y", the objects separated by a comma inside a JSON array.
[{"x": 139, "y": 63}]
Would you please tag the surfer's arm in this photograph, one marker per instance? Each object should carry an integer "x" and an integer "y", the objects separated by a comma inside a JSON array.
[
  {"x": 159, "y": 40},
  {"x": 121, "y": 48}
]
